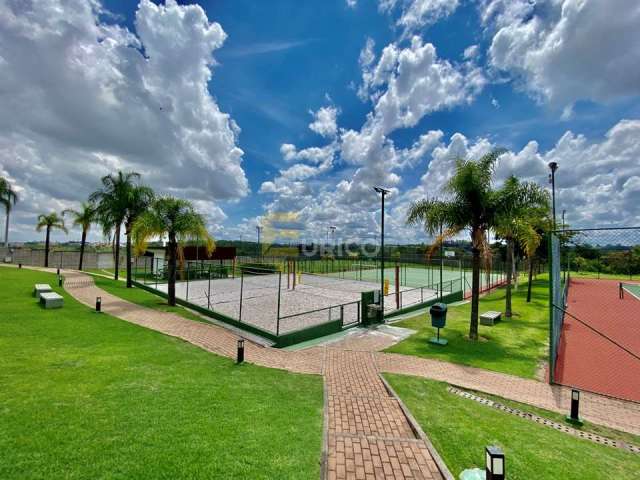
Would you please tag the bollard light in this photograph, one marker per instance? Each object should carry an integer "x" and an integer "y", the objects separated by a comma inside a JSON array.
[
  {"x": 98, "y": 304},
  {"x": 494, "y": 467},
  {"x": 58, "y": 271},
  {"x": 19, "y": 265},
  {"x": 574, "y": 416},
  {"x": 59, "y": 281},
  {"x": 240, "y": 356}
]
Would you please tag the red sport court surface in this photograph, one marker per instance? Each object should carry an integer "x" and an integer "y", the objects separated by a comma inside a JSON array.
[{"x": 586, "y": 359}]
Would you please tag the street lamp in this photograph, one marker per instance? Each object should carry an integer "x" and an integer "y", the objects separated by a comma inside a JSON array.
[
  {"x": 383, "y": 192},
  {"x": 333, "y": 235},
  {"x": 553, "y": 166},
  {"x": 258, "y": 229}
]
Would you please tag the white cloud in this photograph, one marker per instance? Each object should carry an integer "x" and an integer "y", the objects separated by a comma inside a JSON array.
[
  {"x": 416, "y": 82},
  {"x": 324, "y": 121},
  {"x": 471, "y": 52},
  {"x": 82, "y": 98},
  {"x": 416, "y": 14},
  {"x": 352, "y": 3},
  {"x": 567, "y": 50}
]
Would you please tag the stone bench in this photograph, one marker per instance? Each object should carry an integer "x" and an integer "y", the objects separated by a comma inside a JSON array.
[
  {"x": 51, "y": 300},
  {"x": 490, "y": 318},
  {"x": 40, "y": 288}
]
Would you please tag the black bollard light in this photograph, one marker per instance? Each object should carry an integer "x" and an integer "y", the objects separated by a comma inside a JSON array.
[
  {"x": 494, "y": 469},
  {"x": 58, "y": 271},
  {"x": 60, "y": 281},
  {"x": 19, "y": 265},
  {"x": 98, "y": 304},
  {"x": 240, "y": 356},
  {"x": 574, "y": 416}
]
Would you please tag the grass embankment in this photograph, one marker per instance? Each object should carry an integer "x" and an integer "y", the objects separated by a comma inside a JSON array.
[
  {"x": 516, "y": 346},
  {"x": 460, "y": 428},
  {"x": 85, "y": 395}
]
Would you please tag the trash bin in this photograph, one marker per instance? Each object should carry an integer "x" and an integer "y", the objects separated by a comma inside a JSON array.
[
  {"x": 374, "y": 313},
  {"x": 438, "y": 313}
]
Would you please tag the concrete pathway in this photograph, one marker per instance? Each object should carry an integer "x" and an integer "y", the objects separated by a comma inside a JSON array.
[{"x": 367, "y": 434}]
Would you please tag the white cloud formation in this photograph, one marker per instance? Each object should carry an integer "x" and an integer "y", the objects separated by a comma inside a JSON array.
[
  {"x": 567, "y": 50},
  {"x": 416, "y": 14},
  {"x": 324, "y": 121},
  {"x": 408, "y": 83},
  {"x": 82, "y": 98}
]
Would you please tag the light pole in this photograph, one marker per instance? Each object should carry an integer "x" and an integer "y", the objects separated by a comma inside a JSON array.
[
  {"x": 333, "y": 235},
  {"x": 383, "y": 192},
  {"x": 258, "y": 229},
  {"x": 553, "y": 166}
]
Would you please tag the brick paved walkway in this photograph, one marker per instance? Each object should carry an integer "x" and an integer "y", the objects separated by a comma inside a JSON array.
[{"x": 368, "y": 436}]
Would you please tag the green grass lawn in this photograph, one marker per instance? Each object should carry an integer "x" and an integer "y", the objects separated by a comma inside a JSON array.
[
  {"x": 605, "y": 276},
  {"x": 85, "y": 395},
  {"x": 460, "y": 429},
  {"x": 516, "y": 346},
  {"x": 142, "y": 297}
]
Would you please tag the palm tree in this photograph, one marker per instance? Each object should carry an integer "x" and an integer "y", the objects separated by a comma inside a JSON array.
[
  {"x": 49, "y": 222},
  {"x": 83, "y": 218},
  {"x": 8, "y": 198},
  {"x": 139, "y": 199},
  {"x": 521, "y": 204},
  {"x": 471, "y": 205},
  {"x": 112, "y": 202},
  {"x": 177, "y": 219}
]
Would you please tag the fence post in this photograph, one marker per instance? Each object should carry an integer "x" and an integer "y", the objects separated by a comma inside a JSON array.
[
  {"x": 278, "y": 312},
  {"x": 241, "y": 288},
  {"x": 187, "y": 294},
  {"x": 209, "y": 290}
]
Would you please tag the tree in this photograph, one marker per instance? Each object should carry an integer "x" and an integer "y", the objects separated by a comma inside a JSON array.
[
  {"x": 49, "y": 222},
  {"x": 177, "y": 219},
  {"x": 83, "y": 218},
  {"x": 8, "y": 198},
  {"x": 112, "y": 202},
  {"x": 139, "y": 199},
  {"x": 471, "y": 205},
  {"x": 519, "y": 206}
]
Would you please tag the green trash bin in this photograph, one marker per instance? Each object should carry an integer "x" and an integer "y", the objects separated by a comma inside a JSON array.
[{"x": 438, "y": 312}]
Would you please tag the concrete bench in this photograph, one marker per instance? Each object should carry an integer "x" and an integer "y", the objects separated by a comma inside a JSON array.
[
  {"x": 51, "y": 300},
  {"x": 490, "y": 318},
  {"x": 40, "y": 288}
]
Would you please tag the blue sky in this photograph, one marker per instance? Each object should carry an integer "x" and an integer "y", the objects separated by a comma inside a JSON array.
[{"x": 278, "y": 63}]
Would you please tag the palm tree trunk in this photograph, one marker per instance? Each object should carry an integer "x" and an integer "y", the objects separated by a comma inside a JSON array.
[
  {"x": 173, "y": 252},
  {"x": 6, "y": 230},
  {"x": 507, "y": 307},
  {"x": 530, "y": 280},
  {"x": 475, "y": 293},
  {"x": 46, "y": 248},
  {"x": 117, "y": 256},
  {"x": 128, "y": 233},
  {"x": 82, "y": 243}
]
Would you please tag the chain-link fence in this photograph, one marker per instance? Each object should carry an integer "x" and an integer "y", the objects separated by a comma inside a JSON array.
[{"x": 595, "y": 310}]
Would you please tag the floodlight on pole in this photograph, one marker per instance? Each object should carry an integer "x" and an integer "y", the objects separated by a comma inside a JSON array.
[
  {"x": 258, "y": 229},
  {"x": 383, "y": 192}
]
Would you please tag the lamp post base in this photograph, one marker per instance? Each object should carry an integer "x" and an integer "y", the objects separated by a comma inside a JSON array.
[
  {"x": 438, "y": 341},
  {"x": 574, "y": 421}
]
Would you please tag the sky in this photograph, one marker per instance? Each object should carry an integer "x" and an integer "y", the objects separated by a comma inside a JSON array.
[{"x": 286, "y": 113}]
